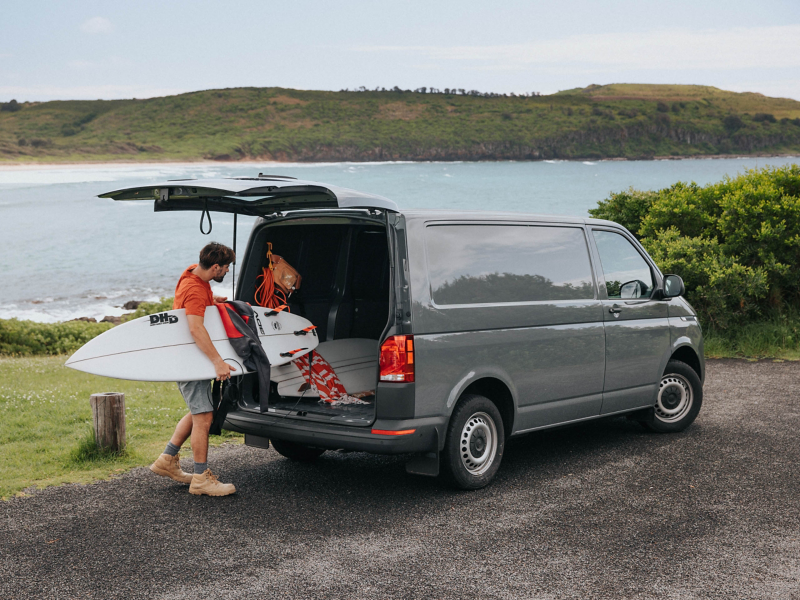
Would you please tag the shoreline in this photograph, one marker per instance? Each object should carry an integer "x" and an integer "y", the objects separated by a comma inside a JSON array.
[{"x": 31, "y": 166}]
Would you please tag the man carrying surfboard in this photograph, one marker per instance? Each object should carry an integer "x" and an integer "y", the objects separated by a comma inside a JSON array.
[{"x": 193, "y": 293}]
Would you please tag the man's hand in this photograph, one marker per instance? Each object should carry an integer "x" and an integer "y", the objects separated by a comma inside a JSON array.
[
  {"x": 203, "y": 341},
  {"x": 220, "y": 299},
  {"x": 223, "y": 370}
]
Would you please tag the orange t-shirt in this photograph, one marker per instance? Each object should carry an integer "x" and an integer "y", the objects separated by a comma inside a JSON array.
[{"x": 193, "y": 294}]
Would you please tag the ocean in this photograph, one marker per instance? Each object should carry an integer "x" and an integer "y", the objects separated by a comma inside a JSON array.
[{"x": 69, "y": 254}]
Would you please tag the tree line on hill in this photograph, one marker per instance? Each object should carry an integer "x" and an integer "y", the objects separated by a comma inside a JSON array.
[{"x": 445, "y": 91}]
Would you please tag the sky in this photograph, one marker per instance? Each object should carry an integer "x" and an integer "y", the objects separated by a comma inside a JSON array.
[{"x": 92, "y": 49}]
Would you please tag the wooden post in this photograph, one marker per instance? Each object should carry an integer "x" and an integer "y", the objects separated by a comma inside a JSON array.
[{"x": 108, "y": 416}]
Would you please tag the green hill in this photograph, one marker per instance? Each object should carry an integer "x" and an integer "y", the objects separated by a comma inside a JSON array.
[{"x": 611, "y": 121}]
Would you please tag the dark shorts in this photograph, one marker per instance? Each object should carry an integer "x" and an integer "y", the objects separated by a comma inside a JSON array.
[{"x": 197, "y": 395}]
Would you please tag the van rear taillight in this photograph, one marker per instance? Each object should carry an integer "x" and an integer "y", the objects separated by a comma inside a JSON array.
[{"x": 397, "y": 359}]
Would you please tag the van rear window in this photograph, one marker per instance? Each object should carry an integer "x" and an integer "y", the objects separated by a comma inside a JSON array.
[{"x": 478, "y": 264}]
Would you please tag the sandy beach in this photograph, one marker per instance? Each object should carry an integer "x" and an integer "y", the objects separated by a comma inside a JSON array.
[{"x": 32, "y": 166}]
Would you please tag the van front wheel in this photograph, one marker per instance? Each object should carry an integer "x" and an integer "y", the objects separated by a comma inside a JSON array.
[
  {"x": 474, "y": 445},
  {"x": 680, "y": 396}
]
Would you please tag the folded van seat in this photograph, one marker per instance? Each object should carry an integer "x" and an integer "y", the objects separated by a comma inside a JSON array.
[{"x": 355, "y": 361}]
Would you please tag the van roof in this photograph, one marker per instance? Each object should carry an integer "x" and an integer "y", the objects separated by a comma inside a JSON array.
[{"x": 450, "y": 214}]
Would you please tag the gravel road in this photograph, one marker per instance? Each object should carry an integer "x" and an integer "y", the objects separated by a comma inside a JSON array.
[{"x": 604, "y": 510}]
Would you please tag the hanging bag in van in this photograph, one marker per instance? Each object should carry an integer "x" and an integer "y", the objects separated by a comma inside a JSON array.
[{"x": 279, "y": 280}]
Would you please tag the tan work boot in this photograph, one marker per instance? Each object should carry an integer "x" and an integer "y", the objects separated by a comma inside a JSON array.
[
  {"x": 208, "y": 484},
  {"x": 170, "y": 466}
]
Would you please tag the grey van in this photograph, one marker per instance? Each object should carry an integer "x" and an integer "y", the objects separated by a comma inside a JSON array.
[{"x": 486, "y": 325}]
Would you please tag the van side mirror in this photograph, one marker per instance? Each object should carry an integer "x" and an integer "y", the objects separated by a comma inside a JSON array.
[{"x": 673, "y": 286}]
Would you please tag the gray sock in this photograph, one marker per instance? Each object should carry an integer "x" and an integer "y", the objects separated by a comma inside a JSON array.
[
  {"x": 200, "y": 468},
  {"x": 172, "y": 449}
]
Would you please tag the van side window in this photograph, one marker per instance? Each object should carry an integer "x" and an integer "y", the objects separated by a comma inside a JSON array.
[
  {"x": 626, "y": 272},
  {"x": 477, "y": 264}
]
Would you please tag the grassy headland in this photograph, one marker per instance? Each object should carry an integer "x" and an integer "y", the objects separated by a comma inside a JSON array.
[{"x": 612, "y": 121}]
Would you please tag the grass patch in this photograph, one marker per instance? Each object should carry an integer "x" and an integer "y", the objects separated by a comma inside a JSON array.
[
  {"x": 46, "y": 434},
  {"x": 87, "y": 451},
  {"x": 775, "y": 337}
]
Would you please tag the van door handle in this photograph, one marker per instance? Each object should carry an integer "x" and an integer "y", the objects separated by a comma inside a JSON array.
[{"x": 615, "y": 310}]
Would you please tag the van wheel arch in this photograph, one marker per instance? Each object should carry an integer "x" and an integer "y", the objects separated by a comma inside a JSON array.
[
  {"x": 686, "y": 354},
  {"x": 498, "y": 392}
]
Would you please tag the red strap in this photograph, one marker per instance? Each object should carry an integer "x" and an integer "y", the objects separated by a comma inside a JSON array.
[
  {"x": 275, "y": 311},
  {"x": 306, "y": 330},
  {"x": 292, "y": 352}
]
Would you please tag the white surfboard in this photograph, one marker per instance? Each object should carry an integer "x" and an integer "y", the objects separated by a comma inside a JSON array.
[
  {"x": 160, "y": 347},
  {"x": 354, "y": 360}
]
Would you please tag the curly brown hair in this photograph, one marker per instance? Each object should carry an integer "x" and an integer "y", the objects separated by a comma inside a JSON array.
[{"x": 215, "y": 253}]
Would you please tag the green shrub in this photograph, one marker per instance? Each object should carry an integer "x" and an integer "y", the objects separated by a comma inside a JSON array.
[
  {"x": 626, "y": 208},
  {"x": 27, "y": 338},
  {"x": 732, "y": 123},
  {"x": 764, "y": 118},
  {"x": 12, "y": 106},
  {"x": 718, "y": 286},
  {"x": 736, "y": 243}
]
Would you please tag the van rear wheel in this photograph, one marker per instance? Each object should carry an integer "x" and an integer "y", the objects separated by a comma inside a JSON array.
[
  {"x": 474, "y": 445},
  {"x": 295, "y": 451}
]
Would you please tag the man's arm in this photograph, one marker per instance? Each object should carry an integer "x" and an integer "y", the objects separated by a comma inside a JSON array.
[{"x": 203, "y": 341}]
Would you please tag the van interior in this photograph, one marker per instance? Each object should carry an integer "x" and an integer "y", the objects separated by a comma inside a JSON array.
[{"x": 344, "y": 265}]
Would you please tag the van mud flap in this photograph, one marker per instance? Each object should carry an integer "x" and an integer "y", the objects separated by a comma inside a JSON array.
[{"x": 426, "y": 464}]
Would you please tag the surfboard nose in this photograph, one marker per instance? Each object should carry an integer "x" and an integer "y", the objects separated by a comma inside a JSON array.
[{"x": 73, "y": 362}]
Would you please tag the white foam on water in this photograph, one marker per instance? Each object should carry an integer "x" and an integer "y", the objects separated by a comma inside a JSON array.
[
  {"x": 59, "y": 314},
  {"x": 222, "y": 289},
  {"x": 96, "y": 306}
]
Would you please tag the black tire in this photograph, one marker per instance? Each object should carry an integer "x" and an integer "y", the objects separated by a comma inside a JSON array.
[
  {"x": 295, "y": 451},
  {"x": 680, "y": 396},
  {"x": 474, "y": 445}
]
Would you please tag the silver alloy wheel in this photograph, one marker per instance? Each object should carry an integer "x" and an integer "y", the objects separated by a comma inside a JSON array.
[
  {"x": 675, "y": 398},
  {"x": 478, "y": 443}
]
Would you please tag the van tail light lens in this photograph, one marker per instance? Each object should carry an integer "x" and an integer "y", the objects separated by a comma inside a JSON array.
[
  {"x": 397, "y": 359},
  {"x": 393, "y": 432}
]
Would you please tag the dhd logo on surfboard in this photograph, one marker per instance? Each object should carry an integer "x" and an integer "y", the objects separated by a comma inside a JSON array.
[{"x": 163, "y": 319}]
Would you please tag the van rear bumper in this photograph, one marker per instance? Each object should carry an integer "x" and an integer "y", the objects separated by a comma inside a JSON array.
[{"x": 427, "y": 432}]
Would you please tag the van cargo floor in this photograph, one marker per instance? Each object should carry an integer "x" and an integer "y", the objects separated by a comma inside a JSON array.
[{"x": 312, "y": 406}]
